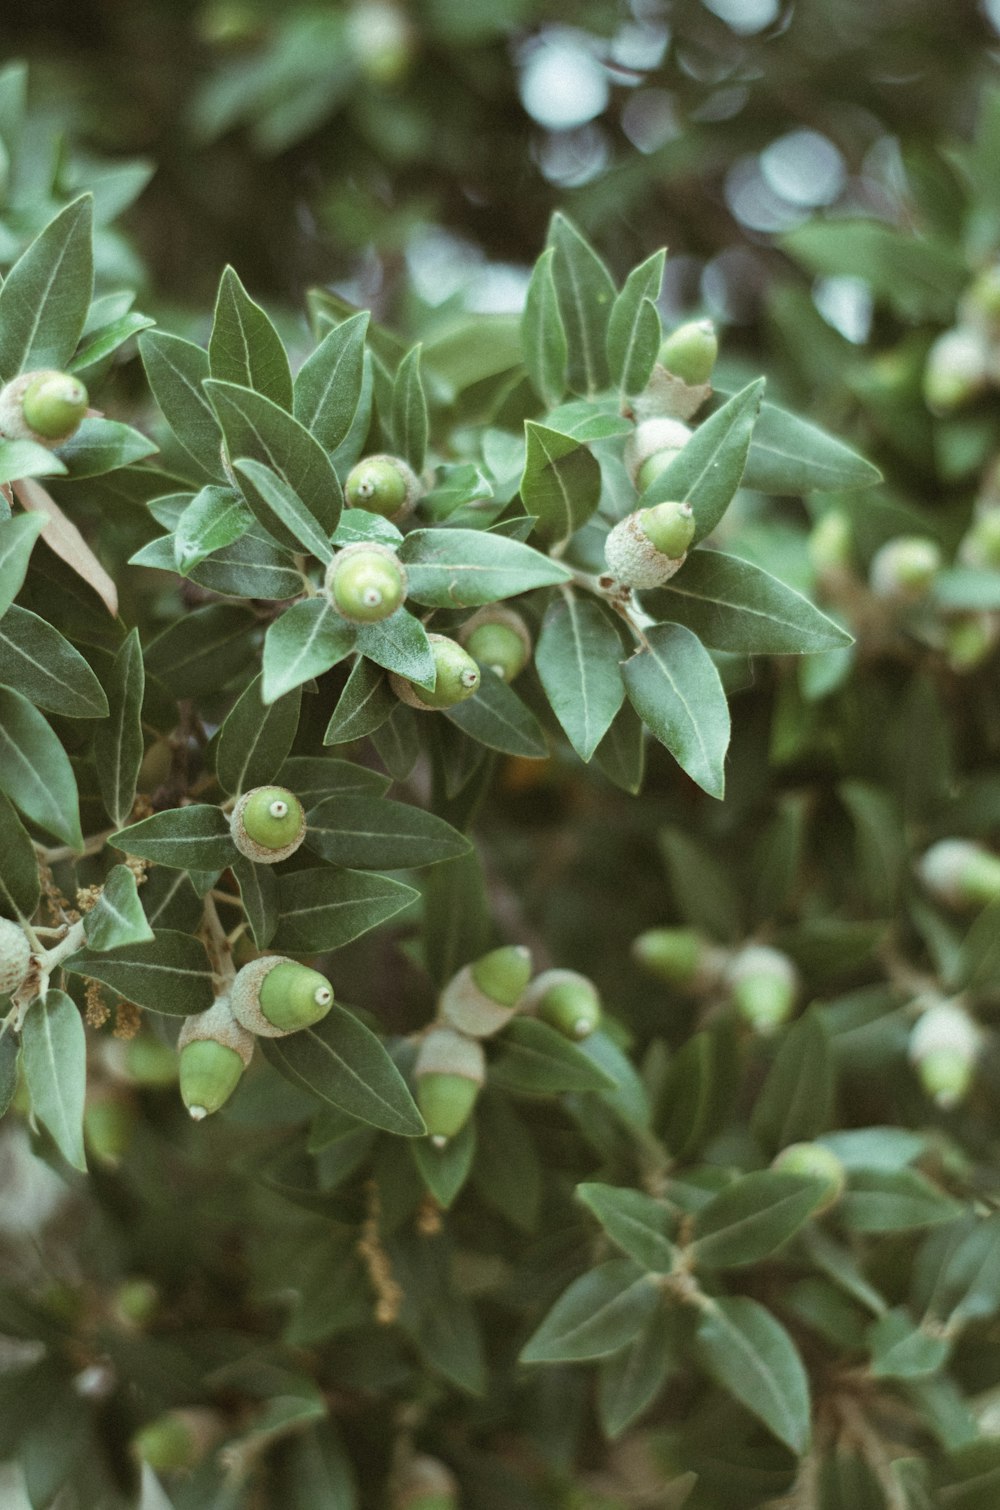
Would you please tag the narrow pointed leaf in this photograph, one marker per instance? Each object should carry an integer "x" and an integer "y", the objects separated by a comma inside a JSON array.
[
  {"x": 186, "y": 838},
  {"x": 577, "y": 659},
  {"x": 641, "y": 1226},
  {"x": 586, "y": 293},
  {"x": 170, "y": 973},
  {"x": 35, "y": 772},
  {"x": 259, "y": 892},
  {"x": 17, "y": 541},
  {"x": 747, "y": 1351},
  {"x": 707, "y": 472},
  {"x": 244, "y": 346},
  {"x": 634, "y": 329},
  {"x": 118, "y": 742},
  {"x": 255, "y": 739},
  {"x": 561, "y": 483},
  {"x": 44, "y": 301},
  {"x": 369, "y": 833},
  {"x": 176, "y": 370},
  {"x": 215, "y": 518},
  {"x": 790, "y": 455},
  {"x": 281, "y": 512},
  {"x": 496, "y": 717},
  {"x": 307, "y": 640},
  {"x": 45, "y": 668},
  {"x": 54, "y": 1058},
  {"x": 328, "y": 385},
  {"x": 409, "y": 411},
  {"x": 466, "y": 568},
  {"x": 117, "y": 917},
  {"x": 543, "y": 334},
  {"x": 754, "y": 1216},
  {"x": 600, "y": 1312},
  {"x": 325, "y": 909},
  {"x": 675, "y": 689},
  {"x": 363, "y": 706}
]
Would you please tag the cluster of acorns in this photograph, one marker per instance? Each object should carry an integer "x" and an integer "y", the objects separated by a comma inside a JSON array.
[{"x": 760, "y": 982}]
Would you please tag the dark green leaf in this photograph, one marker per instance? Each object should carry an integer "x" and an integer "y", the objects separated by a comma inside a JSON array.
[
  {"x": 708, "y": 470},
  {"x": 641, "y": 1226},
  {"x": 255, "y": 739},
  {"x": 259, "y": 890},
  {"x": 400, "y": 644},
  {"x": 898, "y": 1200},
  {"x": 543, "y": 334},
  {"x": 535, "y": 1059},
  {"x": 44, "y": 301},
  {"x": 755, "y": 1215},
  {"x": 244, "y": 346},
  {"x": 586, "y": 293},
  {"x": 118, "y": 743},
  {"x": 186, "y": 838},
  {"x": 630, "y": 1380},
  {"x": 117, "y": 917},
  {"x": 634, "y": 330},
  {"x": 281, "y": 512},
  {"x": 307, "y": 640},
  {"x": 325, "y": 909},
  {"x": 561, "y": 483},
  {"x": 369, "y": 833},
  {"x": 364, "y": 705},
  {"x": 169, "y": 974},
  {"x": 203, "y": 650},
  {"x": 35, "y": 772},
  {"x": 466, "y": 568},
  {"x": 789, "y": 455},
  {"x": 328, "y": 385},
  {"x": 746, "y": 1351},
  {"x": 38, "y": 662},
  {"x": 215, "y": 518},
  {"x": 17, "y": 540},
  {"x": 19, "y": 883},
  {"x": 600, "y": 1312},
  {"x": 497, "y": 718},
  {"x": 409, "y": 411},
  {"x": 577, "y": 659},
  {"x": 176, "y": 370},
  {"x": 103, "y": 445},
  {"x": 674, "y": 687},
  {"x": 54, "y": 1060}
]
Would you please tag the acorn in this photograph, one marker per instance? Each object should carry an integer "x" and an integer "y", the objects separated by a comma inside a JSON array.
[
  {"x": 109, "y": 1123},
  {"x": 449, "y": 1070},
  {"x": 274, "y": 996},
  {"x": 957, "y": 369},
  {"x": 381, "y": 40},
  {"x": 904, "y": 568},
  {"x": 680, "y": 957},
  {"x": 45, "y": 406},
  {"x": 831, "y": 547},
  {"x": 960, "y": 873},
  {"x": 980, "y": 545},
  {"x": 268, "y": 824},
  {"x": 646, "y": 548},
  {"x": 969, "y": 639},
  {"x": 652, "y": 445},
  {"x": 425, "y": 1484},
  {"x": 457, "y": 678},
  {"x": 148, "y": 1061},
  {"x": 15, "y": 956},
  {"x": 497, "y": 637},
  {"x": 214, "y": 1051},
  {"x": 818, "y": 1163},
  {"x": 763, "y": 984},
  {"x": 365, "y": 583},
  {"x": 135, "y": 1302},
  {"x": 690, "y": 352},
  {"x": 943, "y": 1048},
  {"x": 980, "y": 305},
  {"x": 483, "y": 997},
  {"x": 566, "y": 1000},
  {"x": 177, "y": 1440},
  {"x": 383, "y": 485}
]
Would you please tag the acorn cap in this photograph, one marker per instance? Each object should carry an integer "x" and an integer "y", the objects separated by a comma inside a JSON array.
[
  {"x": 633, "y": 558},
  {"x": 214, "y": 1051},
  {"x": 763, "y": 984},
  {"x": 383, "y": 485},
  {"x": 268, "y": 824},
  {"x": 690, "y": 352},
  {"x": 15, "y": 956},
  {"x": 449, "y": 1070},
  {"x": 425, "y": 1484},
  {"x": 652, "y": 437},
  {"x": 497, "y": 637},
  {"x": 818, "y": 1163},
  {"x": 365, "y": 583},
  {"x": 904, "y": 568},
  {"x": 458, "y": 678},
  {"x": 566, "y": 1000},
  {"x": 483, "y": 997},
  {"x": 45, "y": 406},
  {"x": 960, "y": 873}
]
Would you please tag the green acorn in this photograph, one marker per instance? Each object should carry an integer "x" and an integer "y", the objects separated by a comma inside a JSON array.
[
  {"x": 177, "y": 1440},
  {"x": 960, "y": 873},
  {"x": 274, "y": 996},
  {"x": 831, "y": 546},
  {"x": 497, "y": 637},
  {"x": 981, "y": 301},
  {"x": 680, "y": 957},
  {"x": 818, "y": 1163},
  {"x": 944, "y": 1046},
  {"x": 957, "y": 369},
  {"x": 135, "y": 1302},
  {"x": 969, "y": 639},
  {"x": 483, "y": 997},
  {"x": 566, "y": 1000},
  {"x": 646, "y": 548},
  {"x": 425, "y": 1484},
  {"x": 381, "y": 40},
  {"x": 383, "y": 485},
  {"x": 147, "y": 1060},
  {"x": 44, "y": 406},
  {"x": 457, "y": 678},
  {"x": 365, "y": 583},
  {"x": 980, "y": 545},
  {"x": 15, "y": 956},
  {"x": 904, "y": 568},
  {"x": 214, "y": 1051},
  {"x": 690, "y": 352},
  {"x": 763, "y": 984},
  {"x": 652, "y": 445},
  {"x": 109, "y": 1124},
  {"x": 449, "y": 1070},
  {"x": 268, "y": 824}
]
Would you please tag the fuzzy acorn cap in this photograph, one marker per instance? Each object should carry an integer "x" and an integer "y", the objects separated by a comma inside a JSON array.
[
  {"x": 268, "y": 824},
  {"x": 566, "y": 1000},
  {"x": 274, "y": 996},
  {"x": 904, "y": 568},
  {"x": 44, "y": 406},
  {"x": 15, "y": 956},
  {"x": 960, "y": 873},
  {"x": 425, "y": 1484},
  {"x": 944, "y": 1046},
  {"x": 214, "y": 1051},
  {"x": 690, "y": 352},
  {"x": 763, "y": 984},
  {"x": 633, "y": 556},
  {"x": 458, "y": 677},
  {"x": 499, "y": 638},
  {"x": 483, "y": 997},
  {"x": 680, "y": 957},
  {"x": 365, "y": 583},
  {"x": 383, "y": 485},
  {"x": 818, "y": 1163},
  {"x": 650, "y": 438},
  {"x": 450, "y": 1069}
]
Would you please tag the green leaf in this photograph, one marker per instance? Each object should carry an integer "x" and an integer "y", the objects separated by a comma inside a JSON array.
[
  {"x": 118, "y": 742},
  {"x": 978, "y": 965},
  {"x": 103, "y": 445},
  {"x": 176, "y": 370},
  {"x": 44, "y": 301},
  {"x": 456, "y": 925},
  {"x": 19, "y": 883},
  {"x": 281, "y": 512},
  {"x": 35, "y": 772},
  {"x": 215, "y": 518},
  {"x": 789, "y": 455},
  {"x": 307, "y": 640},
  {"x": 543, "y": 335},
  {"x": 400, "y": 644},
  {"x": 397, "y": 742},
  {"x": 255, "y": 739},
  {"x": 251, "y": 567},
  {"x": 880, "y": 1200},
  {"x": 54, "y": 1061},
  {"x": 560, "y": 484},
  {"x": 466, "y": 568},
  {"x": 342, "y": 1063},
  {"x": 708, "y": 470},
  {"x": 328, "y": 385},
  {"x": 369, "y": 833},
  {"x": 445, "y": 1170},
  {"x": 106, "y": 340},
  {"x": 10, "y": 1050},
  {"x": 634, "y": 329},
  {"x": 754, "y": 1216},
  {"x": 497, "y": 718},
  {"x": 621, "y": 754},
  {"x": 956, "y": 1276},
  {"x": 203, "y": 650},
  {"x": 409, "y": 411},
  {"x": 966, "y": 588},
  {"x": 901, "y": 1350},
  {"x": 169, "y": 973},
  {"x": 117, "y": 917},
  {"x": 313, "y": 777},
  {"x": 38, "y": 662},
  {"x": 747, "y": 1351},
  {"x": 259, "y": 890},
  {"x": 795, "y": 1102},
  {"x": 732, "y": 605},
  {"x": 586, "y": 293},
  {"x": 675, "y": 689},
  {"x": 26, "y": 458},
  {"x": 641, "y": 1226},
  {"x": 535, "y": 1059},
  {"x": 363, "y": 706},
  {"x": 630, "y": 1380},
  {"x": 880, "y": 840},
  {"x": 17, "y": 541},
  {"x": 577, "y": 659},
  {"x": 244, "y": 346},
  {"x": 600, "y": 1312},
  {"x": 185, "y": 838},
  {"x": 325, "y": 909}
]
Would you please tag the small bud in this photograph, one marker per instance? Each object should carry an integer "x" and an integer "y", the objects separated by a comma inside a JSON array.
[
  {"x": 483, "y": 997},
  {"x": 425, "y": 1484},
  {"x": 214, "y": 1051},
  {"x": 566, "y": 1000},
  {"x": 383, "y": 485},
  {"x": 960, "y": 873},
  {"x": 763, "y": 984},
  {"x": 690, "y": 352},
  {"x": 818, "y": 1163},
  {"x": 980, "y": 545},
  {"x": 449, "y": 1071},
  {"x": 631, "y": 551},
  {"x": 458, "y": 677},
  {"x": 497, "y": 637},
  {"x": 109, "y": 1123},
  {"x": 366, "y": 583},
  {"x": 680, "y": 957},
  {"x": 274, "y": 996},
  {"x": 45, "y": 407},
  {"x": 15, "y": 956},
  {"x": 660, "y": 438},
  {"x": 904, "y": 568},
  {"x": 268, "y": 824},
  {"x": 969, "y": 639},
  {"x": 957, "y": 370},
  {"x": 943, "y": 1048}
]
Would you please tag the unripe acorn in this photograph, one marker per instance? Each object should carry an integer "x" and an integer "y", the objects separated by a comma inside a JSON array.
[
  {"x": 450, "y": 1069},
  {"x": 483, "y": 997},
  {"x": 646, "y": 548},
  {"x": 365, "y": 583},
  {"x": 680, "y": 957},
  {"x": 980, "y": 545},
  {"x": 15, "y": 956},
  {"x": 566, "y": 1000},
  {"x": 960, "y": 873},
  {"x": 943, "y": 1048},
  {"x": 383, "y": 485},
  {"x": 818, "y": 1163},
  {"x": 956, "y": 371},
  {"x": 497, "y": 637},
  {"x": 969, "y": 639},
  {"x": 425, "y": 1484},
  {"x": 268, "y": 824},
  {"x": 274, "y": 996},
  {"x": 44, "y": 406},
  {"x": 904, "y": 568},
  {"x": 763, "y": 984},
  {"x": 981, "y": 300},
  {"x": 458, "y": 677},
  {"x": 830, "y": 545},
  {"x": 656, "y": 442},
  {"x": 177, "y": 1440},
  {"x": 135, "y": 1302},
  {"x": 214, "y": 1051},
  {"x": 381, "y": 40},
  {"x": 109, "y": 1124},
  {"x": 690, "y": 351}
]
